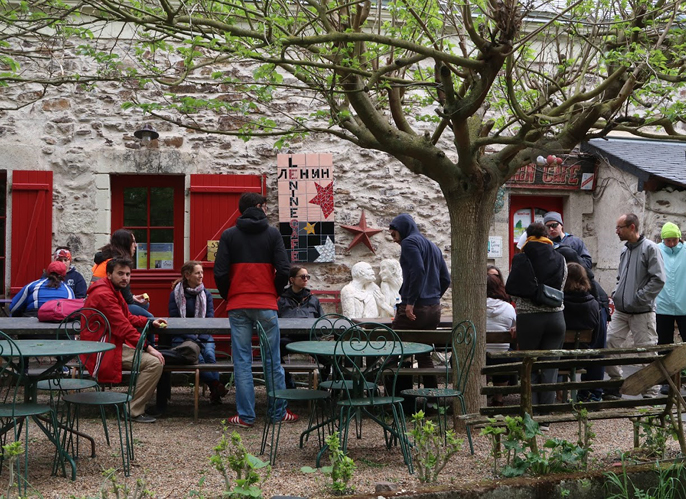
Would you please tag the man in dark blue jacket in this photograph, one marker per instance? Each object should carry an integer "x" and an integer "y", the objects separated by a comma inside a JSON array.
[{"x": 425, "y": 280}]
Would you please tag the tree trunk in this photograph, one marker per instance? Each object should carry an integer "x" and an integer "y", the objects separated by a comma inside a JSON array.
[{"x": 471, "y": 215}]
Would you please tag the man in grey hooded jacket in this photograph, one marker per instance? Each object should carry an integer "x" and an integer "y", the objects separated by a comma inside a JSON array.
[{"x": 640, "y": 277}]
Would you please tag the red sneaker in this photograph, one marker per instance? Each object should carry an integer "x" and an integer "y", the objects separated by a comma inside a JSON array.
[
  {"x": 290, "y": 417},
  {"x": 236, "y": 420}
]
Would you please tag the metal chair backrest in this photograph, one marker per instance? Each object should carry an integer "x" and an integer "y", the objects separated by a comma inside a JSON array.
[
  {"x": 136, "y": 363},
  {"x": 463, "y": 347},
  {"x": 11, "y": 371},
  {"x": 330, "y": 327},
  {"x": 266, "y": 354},
  {"x": 88, "y": 320},
  {"x": 368, "y": 352},
  {"x": 85, "y": 319}
]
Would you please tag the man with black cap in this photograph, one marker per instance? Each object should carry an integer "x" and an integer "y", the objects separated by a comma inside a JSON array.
[{"x": 553, "y": 222}]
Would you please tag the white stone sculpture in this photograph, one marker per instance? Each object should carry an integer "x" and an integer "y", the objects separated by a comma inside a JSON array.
[
  {"x": 362, "y": 297},
  {"x": 391, "y": 278}
]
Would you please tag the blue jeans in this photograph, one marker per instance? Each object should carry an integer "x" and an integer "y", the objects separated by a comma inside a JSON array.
[
  {"x": 138, "y": 310},
  {"x": 206, "y": 355},
  {"x": 242, "y": 327}
]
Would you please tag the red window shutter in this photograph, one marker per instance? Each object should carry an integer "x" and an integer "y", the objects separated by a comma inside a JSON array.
[
  {"x": 214, "y": 208},
  {"x": 31, "y": 226}
]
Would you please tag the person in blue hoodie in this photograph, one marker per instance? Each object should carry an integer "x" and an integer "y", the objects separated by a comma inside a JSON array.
[
  {"x": 74, "y": 278},
  {"x": 425, "y": 280}
]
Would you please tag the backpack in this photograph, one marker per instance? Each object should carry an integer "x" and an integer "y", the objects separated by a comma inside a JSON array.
[{"x": 54, "y": 311}]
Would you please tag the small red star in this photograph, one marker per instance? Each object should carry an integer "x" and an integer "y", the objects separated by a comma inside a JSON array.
[
  {"x": 324, "y": 199},
  {"x": 362, "y": 233}
]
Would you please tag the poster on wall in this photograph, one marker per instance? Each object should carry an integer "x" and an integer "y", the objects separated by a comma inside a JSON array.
[
  {"x": 161, "y": 256},
  {"x": 306, "y": 206},
  {"x": 520, "y": 221}
]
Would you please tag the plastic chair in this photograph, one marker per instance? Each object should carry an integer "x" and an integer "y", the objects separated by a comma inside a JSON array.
[
  {"x": 315, "y": 396},
  {"x": 14, "y": 412},
  {"x": 369, "y": 353},
  {"x": 85, "y": 319},
  {"x": 461, "y": 354},
  {"x": 120, "y": 401}
]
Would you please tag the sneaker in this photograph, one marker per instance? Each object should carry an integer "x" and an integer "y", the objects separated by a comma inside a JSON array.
[
  {"x": 610, "y": 395},
  {"x": 290, "y": 417},
  {"x": 664, "y": 389},
  {"x": 544, "y": 427},
  {"x": 154, "y": 412},
  {"x": 236, "y": 420},
  {"x": 143, "y": 418}
]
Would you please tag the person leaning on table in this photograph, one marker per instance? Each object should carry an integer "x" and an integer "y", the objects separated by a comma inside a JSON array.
[{"x": 105, "y": 295}]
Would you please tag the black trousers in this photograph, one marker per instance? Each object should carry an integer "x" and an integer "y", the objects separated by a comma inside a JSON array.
[{"x": 428, "y": 318}]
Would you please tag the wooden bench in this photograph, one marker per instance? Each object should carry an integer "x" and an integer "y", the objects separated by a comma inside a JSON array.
[
  {"x": 310, "y": 369},
  {"x": 525, "y": 362},
  {"x": 441, "y": 337},
  {"x": 329, "y": 297}
]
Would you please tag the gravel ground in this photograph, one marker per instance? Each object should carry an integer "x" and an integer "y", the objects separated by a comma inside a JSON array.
[{"x": 172, "y": 456}]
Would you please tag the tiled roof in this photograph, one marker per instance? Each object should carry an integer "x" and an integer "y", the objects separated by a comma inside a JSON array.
[{"x": 643, "y": 157}]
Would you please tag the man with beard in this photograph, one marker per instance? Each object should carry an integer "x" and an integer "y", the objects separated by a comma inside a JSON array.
[{"x": 105, "y": 296}]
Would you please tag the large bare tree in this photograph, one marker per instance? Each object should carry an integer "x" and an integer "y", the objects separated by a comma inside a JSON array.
[{"x": 464, "y": 92}]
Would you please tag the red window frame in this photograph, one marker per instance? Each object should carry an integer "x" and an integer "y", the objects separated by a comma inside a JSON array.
[{"x": 119, "y": 182}]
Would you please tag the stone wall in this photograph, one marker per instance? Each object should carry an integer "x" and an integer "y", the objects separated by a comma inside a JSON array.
[{"x": 83, "y": 136}]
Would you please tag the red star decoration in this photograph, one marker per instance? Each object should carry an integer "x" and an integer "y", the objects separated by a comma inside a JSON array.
[
  {"x": 324, "y": 199},
  {"x": 362, "y": 233}
]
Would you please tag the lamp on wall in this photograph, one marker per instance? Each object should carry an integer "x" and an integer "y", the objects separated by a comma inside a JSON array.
[{"x": 146, "y": 134}]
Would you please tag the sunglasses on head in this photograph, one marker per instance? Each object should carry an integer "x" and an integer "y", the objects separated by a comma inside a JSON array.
[{"x": 552, "y": 225}]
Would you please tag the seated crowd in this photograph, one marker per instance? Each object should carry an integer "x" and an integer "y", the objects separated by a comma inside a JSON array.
[{"x": 252, "y": 265}]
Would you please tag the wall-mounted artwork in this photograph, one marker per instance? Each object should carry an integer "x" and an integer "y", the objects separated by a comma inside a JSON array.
[{"x": 306, "y": 208}]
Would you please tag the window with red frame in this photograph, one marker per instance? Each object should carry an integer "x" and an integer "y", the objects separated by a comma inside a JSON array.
[{"x": 152, "y": 207}]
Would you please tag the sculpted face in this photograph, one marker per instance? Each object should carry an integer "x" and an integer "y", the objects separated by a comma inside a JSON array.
[{"x": 363, "y": 272}]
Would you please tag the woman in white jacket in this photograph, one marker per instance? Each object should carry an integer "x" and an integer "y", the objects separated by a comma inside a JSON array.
[{"x": 500, "y": 317}]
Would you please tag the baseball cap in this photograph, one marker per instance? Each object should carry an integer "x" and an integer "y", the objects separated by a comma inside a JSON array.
[
  {"x": 62, "y": 253},
  {"x": 57, "y": 267}
]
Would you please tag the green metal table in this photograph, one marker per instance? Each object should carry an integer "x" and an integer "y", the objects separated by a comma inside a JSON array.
[
  {"x": 363, "y": 349},
  {"x": 60, "y": 351}
]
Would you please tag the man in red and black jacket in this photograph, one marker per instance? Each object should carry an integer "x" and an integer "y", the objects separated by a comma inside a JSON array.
[
  {"x": 251, "y": 270},
  {"x": 105, "y": 296}
]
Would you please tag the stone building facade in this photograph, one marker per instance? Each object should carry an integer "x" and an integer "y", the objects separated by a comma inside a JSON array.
[{"x": 86, "y": 139}]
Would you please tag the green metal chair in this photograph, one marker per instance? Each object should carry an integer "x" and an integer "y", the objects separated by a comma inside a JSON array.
[
  {"x": 460, "y": 352},
  {"x": 71, "y": 327},
  {"x": 120, "y": 401},
  {"x": 14, "y": 412},
  {"x": 369, "y": 353},
  {"x": 330, "y": 327},
  {"x": 317, "y": 420}
]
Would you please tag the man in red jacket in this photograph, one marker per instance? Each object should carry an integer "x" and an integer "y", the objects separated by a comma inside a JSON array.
[
  {"x": 251, "y": 270},
  {"x": 105, "y": 296}
]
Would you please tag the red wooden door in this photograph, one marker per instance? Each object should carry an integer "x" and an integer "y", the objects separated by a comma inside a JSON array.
[
  {"x": 31, "y": 226},
  {"x": 214, "y": 208},
  {"x": 152, "y": 207}
]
